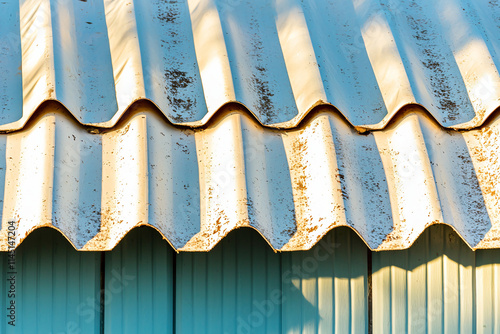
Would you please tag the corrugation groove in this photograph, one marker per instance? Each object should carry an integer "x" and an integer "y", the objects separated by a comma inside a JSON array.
[
  {"x": 277, "y": 58},
  {"x": 292, "y": 186}
]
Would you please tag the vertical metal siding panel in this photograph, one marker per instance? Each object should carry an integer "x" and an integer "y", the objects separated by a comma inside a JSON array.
[
  {"x": 113, "y": 313},
  {"x": 45, "y": 289},
  {"x": 381, "y": 294},
  {"x": 484, "y": 286},
  {"x": 184, "y": 293},
  {"x": 417, "y": 287},
  {"x": 260, "y": 297},
  {"x": 138, "y": 298},
  {"x": 227, "y": 289},
  {"x": 435, "y": 281},
  {"x": 309, "y": 294},
  {"x": 399, "y": 294},
  {"x": 359, "y": 285},
  {"x": 496, "y": 294},
  {"x": 390, "y": 286},
  {"x": 467, "y": 290},
  {"x": 230, "y": 283},
  {"x": 215, "y": 279},
  {"x": 436, "y": 274},
  {"x": 146, "y": 284},
  {"x": 162, "y": 314},
  {"x": 200, "y": 295},
  {"x": 244, "y": 302},
  {"x": 56, "y": 286},
  {"x": 451, "y": 283},
  {"x": 129, "y": 263},
  {"x": 488, "y": 291},
  {"x": 342, "y": 260},
  {"x": 59, "y": 256},
  {"x": 291, "y": 287},
  {"x": 325, "y": 288},
  {"x": 27, "y": 296},
  {"x": 326, "y": 305},
  {"x": 273, "y": 318}
]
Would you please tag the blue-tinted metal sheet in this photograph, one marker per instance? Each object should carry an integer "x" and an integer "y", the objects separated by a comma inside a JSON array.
[
  {"x": 56, "y": 287},
  {"x": 138, "y": 288},
  {"x": 235, "y": 288},
  {"x": 242, "y": 287},
  {"x": 438, "y": 285}
]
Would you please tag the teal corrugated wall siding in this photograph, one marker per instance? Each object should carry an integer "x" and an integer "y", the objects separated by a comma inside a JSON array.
[
  {"x": 57, "y": 288},
  {"x": 138, "y": 288},
  {"x": 437, "y": 286},
  {"x": 235, "y": 288},
  {"x": 325, "y": 289},
  {"x": 243, "y": 287}
]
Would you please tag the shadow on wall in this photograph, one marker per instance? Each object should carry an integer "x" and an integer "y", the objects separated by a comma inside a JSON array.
[
  {"x": 242, "y": 286},
  {"x": 439, "y": 284}
]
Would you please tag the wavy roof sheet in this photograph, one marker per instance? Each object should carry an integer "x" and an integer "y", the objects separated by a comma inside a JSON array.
[
  {"x": 276, "y": 115},
  {"x": 292, "y": 186},
  {"x": 278, "y": 58}
]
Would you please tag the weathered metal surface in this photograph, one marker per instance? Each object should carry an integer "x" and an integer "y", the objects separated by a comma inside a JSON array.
[
  {"x": 292, "y": 186},
  {"x": 436, "y": 286},
  {"x": 278, "y": 58}
]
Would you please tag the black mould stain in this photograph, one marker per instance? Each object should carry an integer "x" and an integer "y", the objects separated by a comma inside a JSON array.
[
  {"x": 494, "y": 6},
  {"x": 177, "y": 83},
  {"x": 432, "y": 61},
  {"x": 168, "y": 15},
  {"x": 473, "y": 195},
  {"x": 264, "y": 104}
]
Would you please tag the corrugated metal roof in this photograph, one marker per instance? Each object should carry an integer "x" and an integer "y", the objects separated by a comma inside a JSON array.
[
  {"x": 195, "y": 186},
  {"x": 278, "y": 58},
  {"x": 314, "y": 74}
]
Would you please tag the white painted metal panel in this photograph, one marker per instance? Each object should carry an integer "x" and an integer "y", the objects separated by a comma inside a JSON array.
[
  {"x": 278, "y": 58},
  {"x": 292, "y": 186}
]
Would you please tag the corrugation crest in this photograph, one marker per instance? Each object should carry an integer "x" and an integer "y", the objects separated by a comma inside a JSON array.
[
  {"x": 292, "y": 186},
  {"x": 278, "y": 58}
]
